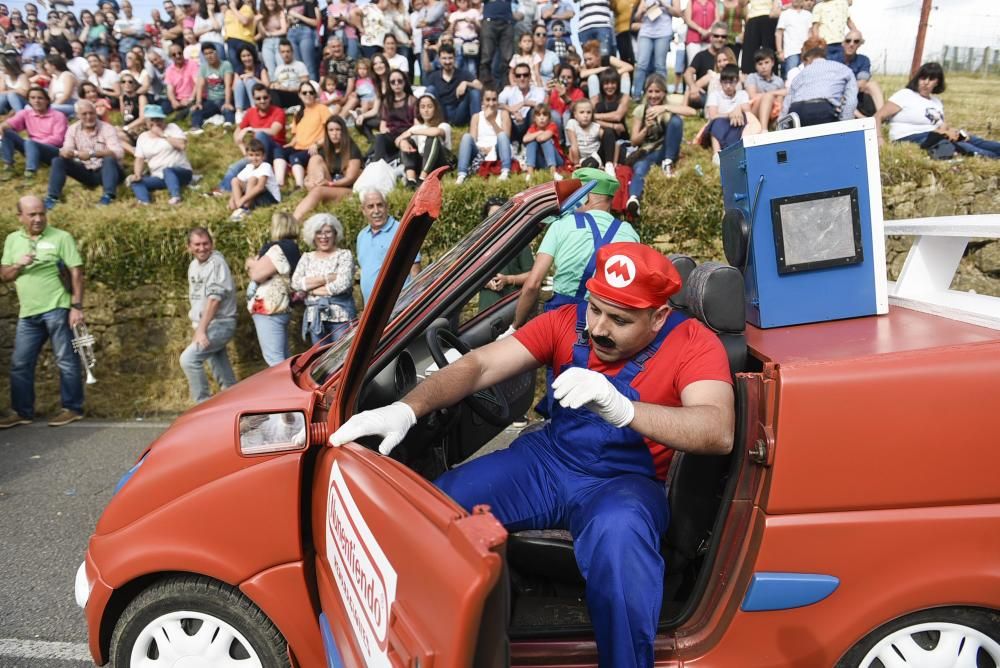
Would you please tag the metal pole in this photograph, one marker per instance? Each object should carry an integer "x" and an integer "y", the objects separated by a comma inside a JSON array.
[{"x": 918, "y": 49}]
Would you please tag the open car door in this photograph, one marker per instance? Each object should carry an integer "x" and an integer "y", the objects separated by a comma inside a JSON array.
[{"x": 405, "y": 576}]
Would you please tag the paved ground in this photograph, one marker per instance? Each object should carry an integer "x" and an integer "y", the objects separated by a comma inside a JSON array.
[{"x": 53, "y": 485}]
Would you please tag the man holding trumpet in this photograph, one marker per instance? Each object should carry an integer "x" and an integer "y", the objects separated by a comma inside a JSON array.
[{"x": 31, "y": 258}]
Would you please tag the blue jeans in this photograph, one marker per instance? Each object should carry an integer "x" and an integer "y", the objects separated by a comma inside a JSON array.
[
  {"x": 31, "y": 335},
  {"x": 11, "y": 101},
  {"x": 303, "y": 39},
  {"x": 108, "y": 176},
  {"x": 461, "y": 113},
  {"x": 243, "y": 92},
  {"x": 35, "y": 152},
  {"x": 274, "y": 152},
  {"x": 272, "y": 335},
  {"x": 791, "y": 62},
  {"x": 208, "y": 109},
  {"x": 467, "y": 150},
  {"x": 69, "y": 108},
  {"x": 469, "y": 64},
  {"x": 269, "y": 53},
  {"x": 193, "y": 359},
  {"x": 652, "y": 57},
  {"x": 670, "y": 148},
  {"x": 233, "y": 48},
  {"x": 550, "y": 156},
  {"x": 973, "y": 146},
  {"x": 174, "y": 178},
  {"x": 606, "y": 36},
  {"x": 331, "y": 332}
]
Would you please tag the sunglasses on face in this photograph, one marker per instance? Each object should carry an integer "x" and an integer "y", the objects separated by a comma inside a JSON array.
[
  {"x": 396, "y": 81},
  {"x": 522, "y": 75},
  {"x": 307, "y": 91},
  {"x": 261, "y": 99},
  {"x": 852, "y": 41},
  {"x": 719, "y": 36}
]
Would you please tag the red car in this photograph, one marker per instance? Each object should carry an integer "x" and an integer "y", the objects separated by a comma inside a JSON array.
[{"x": 856, "y": 522}]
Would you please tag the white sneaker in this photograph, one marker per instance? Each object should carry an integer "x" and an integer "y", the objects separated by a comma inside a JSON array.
[
  {"x": 609, "y": 168},
  {"x": 504, "y": 174},
  {"x": 632, "y": 206},
  {"x": 292, "y": 110},
  {"x": 527, "y": 177},
  {"x": 217, "y": 119},
  {"x": 461, "y": 178},
  {"x": 240, "y": 113},
  {"x": 227, "y": 125},
  {"x": 668, "y": 167},
  {"x": 715, "y": 159},
  {"x": 195, "y": 132}
]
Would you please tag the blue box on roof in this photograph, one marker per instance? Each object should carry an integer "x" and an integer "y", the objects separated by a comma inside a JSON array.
[{"x": 804, "y": 223}]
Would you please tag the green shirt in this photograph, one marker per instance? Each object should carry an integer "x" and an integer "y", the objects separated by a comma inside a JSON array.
[
  {"x": 572, "y": 247},
  {"x": 39, "y": 288},
  {"x": 215, "y": 80}
]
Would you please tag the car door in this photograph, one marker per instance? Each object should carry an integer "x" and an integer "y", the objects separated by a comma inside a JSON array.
[{"x": 405, "y": 577}]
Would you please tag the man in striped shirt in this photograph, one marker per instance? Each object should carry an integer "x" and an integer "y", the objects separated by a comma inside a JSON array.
[
  {"x": 597, "y": 21},
  {"x": 824, "y": 91}
]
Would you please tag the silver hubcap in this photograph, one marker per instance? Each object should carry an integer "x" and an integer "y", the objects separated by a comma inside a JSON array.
[
  {"x": 934, "y": 645},
  {"x": 192, "y": 640}
]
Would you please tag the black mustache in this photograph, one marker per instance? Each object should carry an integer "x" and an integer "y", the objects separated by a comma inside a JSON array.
[{"x": 603, "y": 341}]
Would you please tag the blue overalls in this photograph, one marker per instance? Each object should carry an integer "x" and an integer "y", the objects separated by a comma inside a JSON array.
[
  {"x": 598, "y": 481},
  {"x": 583, "y": 219},
  {"x": 544, "y": 407}
]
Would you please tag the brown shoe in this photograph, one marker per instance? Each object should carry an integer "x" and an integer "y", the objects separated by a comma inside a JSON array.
[
  {"x": 13, "y": 420},
  {"x": 65, "y": 417}
]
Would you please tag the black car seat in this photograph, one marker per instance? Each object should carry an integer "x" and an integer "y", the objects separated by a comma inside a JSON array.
[{"x": 713, "y": 293}]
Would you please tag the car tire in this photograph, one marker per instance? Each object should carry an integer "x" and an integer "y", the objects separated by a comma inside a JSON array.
[
  {"x": 931, "y": 638},
  {"x": 197, "y": 617}
]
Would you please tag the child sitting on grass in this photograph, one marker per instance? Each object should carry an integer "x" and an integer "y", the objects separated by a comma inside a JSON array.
[
  {"x": 543, "y": 135},
  {"x": 255, "y": 185},
  {"x": 728, "y": 112},
  {"x": 765, "y": 88}
]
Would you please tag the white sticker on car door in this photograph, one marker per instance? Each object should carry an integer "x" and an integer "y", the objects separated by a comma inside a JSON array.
[{"x": 365, "y": 578}]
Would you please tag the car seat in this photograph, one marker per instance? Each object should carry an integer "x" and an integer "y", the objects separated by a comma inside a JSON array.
[{"x": 713, "y": 293}]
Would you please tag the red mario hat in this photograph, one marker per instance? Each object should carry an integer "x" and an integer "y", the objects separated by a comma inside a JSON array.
[{"x": 634, "y": 275}]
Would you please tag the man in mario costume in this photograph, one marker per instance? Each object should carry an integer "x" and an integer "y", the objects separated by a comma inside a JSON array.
[{"x": 635, "y": 381}]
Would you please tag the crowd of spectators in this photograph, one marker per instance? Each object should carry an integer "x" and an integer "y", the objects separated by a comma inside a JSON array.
[{"x": 488, "y": 87}]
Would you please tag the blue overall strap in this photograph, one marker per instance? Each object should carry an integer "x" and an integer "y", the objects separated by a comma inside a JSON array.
[
  {"x": 599, "y": 241},
  {"x": 638, "y": 362},
  {"x": 581, "y": 347}
]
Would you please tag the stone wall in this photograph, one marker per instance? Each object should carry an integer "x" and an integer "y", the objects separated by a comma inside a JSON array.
[{"x": 140, "y": 333}]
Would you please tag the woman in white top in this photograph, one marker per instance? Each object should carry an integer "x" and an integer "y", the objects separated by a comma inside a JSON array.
[
  {"x": 162, "y": 147},
  {"x": 13, "y": 85},
  {"x": 427, "y": 145},
  {"x": 208, "y": 26},
  {"x": 916, "y": 114},
  {"x": 269, "y": 293},
  {"x": 62, "y": 84},
  {"x": 326, "y": 276},
  {"x": 488, "y": 138}
]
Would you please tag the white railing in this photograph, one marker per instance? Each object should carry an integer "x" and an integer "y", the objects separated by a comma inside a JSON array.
[{"x": 924, "y": 283}]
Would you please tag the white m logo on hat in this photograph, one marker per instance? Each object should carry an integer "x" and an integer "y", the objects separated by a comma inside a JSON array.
[{"x": 619, "y": 271}]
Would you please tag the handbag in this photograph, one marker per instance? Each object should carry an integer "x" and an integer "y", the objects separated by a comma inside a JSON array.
[
  {"x": 470, "y": 48},
  {"x": 938, "y": 146}
]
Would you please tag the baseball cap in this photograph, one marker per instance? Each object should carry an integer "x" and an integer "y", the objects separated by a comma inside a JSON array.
[
  {"x": 633, "y": 275},
  {"x": 153, "y": 111},
  {"x": 606, "y": 184}
]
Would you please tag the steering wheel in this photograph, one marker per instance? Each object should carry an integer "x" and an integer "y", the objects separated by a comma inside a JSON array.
[{"x": 488, "y": 403}]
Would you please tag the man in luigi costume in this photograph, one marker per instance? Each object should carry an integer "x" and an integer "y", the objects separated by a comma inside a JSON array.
[
  {"x": 635, "y": 382},
  {"x": 572, "y": 242}
]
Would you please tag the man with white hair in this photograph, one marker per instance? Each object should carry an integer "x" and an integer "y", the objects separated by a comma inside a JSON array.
[
  {"x": 375, "y": 239},
  {"x": 870, "y": 97},
  {"x": 90, "y": 154}
]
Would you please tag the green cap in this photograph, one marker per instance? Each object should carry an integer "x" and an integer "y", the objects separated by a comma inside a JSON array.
[{"x": 606, "y": 184}]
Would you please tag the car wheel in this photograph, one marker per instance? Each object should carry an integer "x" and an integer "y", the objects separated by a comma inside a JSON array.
[
  {"x": 196, "y": 621},
  {"x": 939, "y": 638}
]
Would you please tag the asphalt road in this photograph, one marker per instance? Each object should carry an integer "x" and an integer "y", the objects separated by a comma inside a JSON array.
[{"x": 54, "y": 482}]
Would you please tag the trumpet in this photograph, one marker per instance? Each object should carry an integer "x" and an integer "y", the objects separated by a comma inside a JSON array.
[{"x": 83, "y": 345}]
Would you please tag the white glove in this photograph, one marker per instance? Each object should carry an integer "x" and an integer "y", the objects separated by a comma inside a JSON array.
[
  {"x": 576, "y": 387},
  {"x": 510, "y": 330},
  {"x": 390, "y": 422}
]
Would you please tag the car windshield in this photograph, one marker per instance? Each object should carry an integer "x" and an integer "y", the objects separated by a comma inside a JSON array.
[{"x": 331, "y": 360}]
